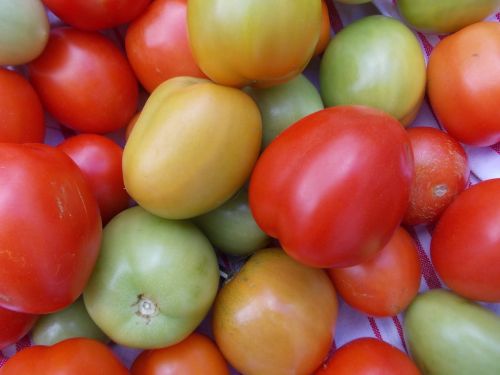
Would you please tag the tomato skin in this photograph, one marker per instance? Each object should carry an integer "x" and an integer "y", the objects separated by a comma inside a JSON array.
[
  {"x": 464, "y": 83},
  {"x": 44, "y": 194},
  {"x": 324, "y": 36},
  {"x": 196, "y": 354},
  {"x": 466, "y": 241},
  {"x": 14, "y": 326},
  {"x": 433, "y": 189},
  {"x": 386, "y": 283},
  {"x": 353, "y": 166},
  {"x": 157, "y": 44},
  {"x": 368, "y": 356},
  {"x": 104, "y": 101},
  {"x": 78, "y": 356},
  {"x": 21, "y": 113}
]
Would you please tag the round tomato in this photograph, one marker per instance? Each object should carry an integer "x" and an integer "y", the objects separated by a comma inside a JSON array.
[
  {"x": 441, "y": 173},
  {"x": 78, "y": 356},
  {"x": 464, "y": 83},
  {"x": 50, "y": 232},
  {"x": 275, "y": 316},
  {"x": 334, "y": 186},
  {"x": 386, "y": 283},
  {"x": 324, "y": 36},
  {"x": 196, "y": 354},
  {"x": 84, "y": 81},
  {"x": 21, "y": 113},
  {"x": 237, "y": 43},
  {"x": 100, "y": 160},
  {"x": 465, "y": 246},
  {"x": 368, "y": 356},
  {"x": 14, "y": 326},
  {"x": 157, "y": 44}
]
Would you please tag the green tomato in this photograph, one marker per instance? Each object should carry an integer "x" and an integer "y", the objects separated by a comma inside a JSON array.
[
  {"x": 73, "y": 321},
  {"x": 448, "y": 334},
  {"x": 445, "y": 16},
  {"x": 284, "y": 104},
  {"x": 375, "y": 61},
  {"x": 154, "y": 281},
  {"x": 24, "y": 31},
  {"x": 231, "y": 227}
]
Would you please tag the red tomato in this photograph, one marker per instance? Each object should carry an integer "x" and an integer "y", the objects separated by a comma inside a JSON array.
[
  {"x": 196, "y": 354},
  {"x": 21, "y": 113},
  {"x": 51, "y": 228},
  {"x": 464, "y": 83},
  {"x": 100, "y": 160},
  {"x": 385, "y": 284},
  {"x": 465, "y": 246},
  {"x": 14, "y": 326},
  {"x": 84, "y": 81},
  {"x": 334, "y": 186},
  {"x": 96, "y": 14},
  {"x": 157, "y": 44},
  {"x": 368, "y": 356},
  {"x": 441, "y": 173},
  {"x": 77, "y": 356}
]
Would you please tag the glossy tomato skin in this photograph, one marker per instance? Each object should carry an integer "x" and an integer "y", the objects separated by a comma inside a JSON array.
[
  {"x": 324, "y": 36},
  {"x": 434, "y": 188},
  {"x": 334, "y": 186},
  {"x": 385, "y": 284},
  {"x": 78, "y": 356},
  {"x": 45, "y": 195},
  {"x": 465, "y": 246},
  {"x": 21, "y": 112},
  {"x": 464, "y": 83},
  {"x": 100, "y": 160},
  {"x": 14, "y": 326},
  {"x": 368, "y": 356},
  {"x": 157, "y": 44},
  {"x": 84, "y": 81},
  {"x": 196, "y": 354}
]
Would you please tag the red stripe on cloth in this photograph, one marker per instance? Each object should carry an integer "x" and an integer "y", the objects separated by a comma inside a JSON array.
[
  {"x": 399, "y": 328},
  {"x": 374, "y": 327},
  {"x": 496, "y": 148},
  {"x": 425, "y": 42},
  {"x": 335, "y": 20},
  {"x": 3, "y": 359},
  {"x": 430, "y": 276},
  {"x": 498, "y": 16},
  {"x": 24, "y": 343}
]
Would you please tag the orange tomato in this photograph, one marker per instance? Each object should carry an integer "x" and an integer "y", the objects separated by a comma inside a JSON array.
[{"x": 324, "y": 36}]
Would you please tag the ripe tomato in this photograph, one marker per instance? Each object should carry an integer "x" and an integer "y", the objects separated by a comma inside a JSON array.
[
  {"x": 386, "y": 283},
  {"x": 157, "y": 44},
  {"x": 334, "y": 186},
  {"x": 14, "y": 326},
  {"x": 21, "y": 113},
  {"x": 84, "y": 81},
  {"x": 78, "y": 356},
  {"x": 368, "y": 356},
  {"x": 51, "y": 228},
  {"x": 196, "y": 354},
  {"x": 100, "y": 160},
  {"x": 465, "y": 246},
  {"x": 464, "y": 83},
  {"x": 324, "y": 36},
  {"x": 441, "y": 173}
]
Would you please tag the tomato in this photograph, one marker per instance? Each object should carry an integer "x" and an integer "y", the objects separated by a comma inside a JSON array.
[
  {"x": 25, "y": 31},
  {"x": 465, "y": 247},
  {"x": 445, "y": 16},
  {"x": 96, "y": 14},
  {"x": 84, "y": 81},
  {"x": 275, "y": 316},
  {"x": 368, "y": 356},
  {"x": 334, "y": 186},
  {"x": 447, "y": 334},
  {"x": 375, "y": 61},
  {"x": 21, "y": 113},
  {"x": 324, "y": 36},
  {"x": 157, "y": 44},
  {"x": 193, "y": 146},
  {"x": 264, "y": 42},
  {"x": 353, "y": 1},
  {"x": 464, "y": 83},
  {"x": 386, "y": 283},
  {"x": 78, "y": 356},
  {"x": 434, "y": 188},
  {"x": 50, "y": 232},
  {"x": 196, "y": 354},
  {"x": 131, "y": 125},
  {"x": 154, "y": 282},
  {"x": 100, "y": 160},
  {"x": 14, "y": 326}
]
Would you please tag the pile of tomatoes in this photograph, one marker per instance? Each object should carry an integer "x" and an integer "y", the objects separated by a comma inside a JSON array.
[{"x": 209, "y": 208}]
